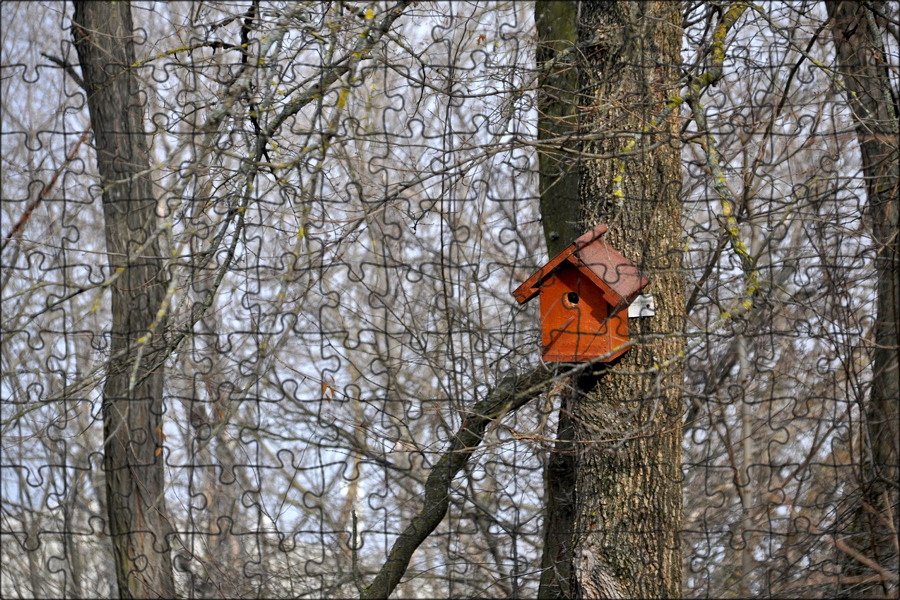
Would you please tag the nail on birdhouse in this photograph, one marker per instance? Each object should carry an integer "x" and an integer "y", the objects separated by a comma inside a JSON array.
[{"x": 584, "y": 294}]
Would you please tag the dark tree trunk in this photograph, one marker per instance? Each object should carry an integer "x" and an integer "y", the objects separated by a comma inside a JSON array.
[
  {"x": 132, "y": 409},
  {"x": 558, "y": 122},
  {"x": 618, "y": 470},
  {"x": 559, "y": 182},
  {"x": 865, "y": 76}
]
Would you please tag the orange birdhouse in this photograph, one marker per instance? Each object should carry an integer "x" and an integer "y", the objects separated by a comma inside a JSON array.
[{"x": 585, "y": 291}]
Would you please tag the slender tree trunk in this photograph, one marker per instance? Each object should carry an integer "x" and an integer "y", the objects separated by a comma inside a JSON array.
[
  {"x": 865, "y": 76},
  {"x": 132, "y": 409},
  {"x": 618, "y": 472},
  {"x": 557, "y": 55},
  {"x": 558, "y": 122}
]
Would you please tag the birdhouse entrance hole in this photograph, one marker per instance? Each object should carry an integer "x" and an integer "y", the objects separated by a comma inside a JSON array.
[{"x": 570, "y": 300}]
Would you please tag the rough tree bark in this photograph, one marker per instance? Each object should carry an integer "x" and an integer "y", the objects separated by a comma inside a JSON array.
[
  {"x": 864, "y": 72},
  {"x": 132, "y": 397},
  {"x": 614, "y": 483}
]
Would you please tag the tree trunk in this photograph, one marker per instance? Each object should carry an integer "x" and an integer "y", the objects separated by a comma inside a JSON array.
[
  {"x": 558, "y": 122},
  {"x": 619, "y": 477},
  {"x": 559, "y": 179},
  {"x": 132, "y": 409},
  {"x": 865, "y": 75}
]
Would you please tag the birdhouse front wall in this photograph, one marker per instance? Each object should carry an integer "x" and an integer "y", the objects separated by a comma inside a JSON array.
[{"x": 575, "y": 321}]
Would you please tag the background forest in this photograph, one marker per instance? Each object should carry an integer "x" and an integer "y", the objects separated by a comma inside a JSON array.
[{"x": 258, "y": 330}]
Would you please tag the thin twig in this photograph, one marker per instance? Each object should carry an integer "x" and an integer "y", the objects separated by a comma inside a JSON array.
[
  {"x": 68, "y": 67},
  {"x": 354, "y": 554},
  {"x": 23, "y": 220}
]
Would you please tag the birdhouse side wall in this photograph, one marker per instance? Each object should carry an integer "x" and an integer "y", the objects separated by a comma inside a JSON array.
[{"x": 577, "y": 328}]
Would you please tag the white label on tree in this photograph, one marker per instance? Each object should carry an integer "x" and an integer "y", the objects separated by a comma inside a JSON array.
[{"x": 642, "y": 306}]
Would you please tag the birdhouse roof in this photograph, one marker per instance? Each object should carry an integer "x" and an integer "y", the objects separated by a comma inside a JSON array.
[{"x": 617, "y": 277}]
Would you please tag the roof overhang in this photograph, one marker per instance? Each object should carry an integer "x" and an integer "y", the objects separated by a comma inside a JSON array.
[{"x": 618, "y": 278}]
